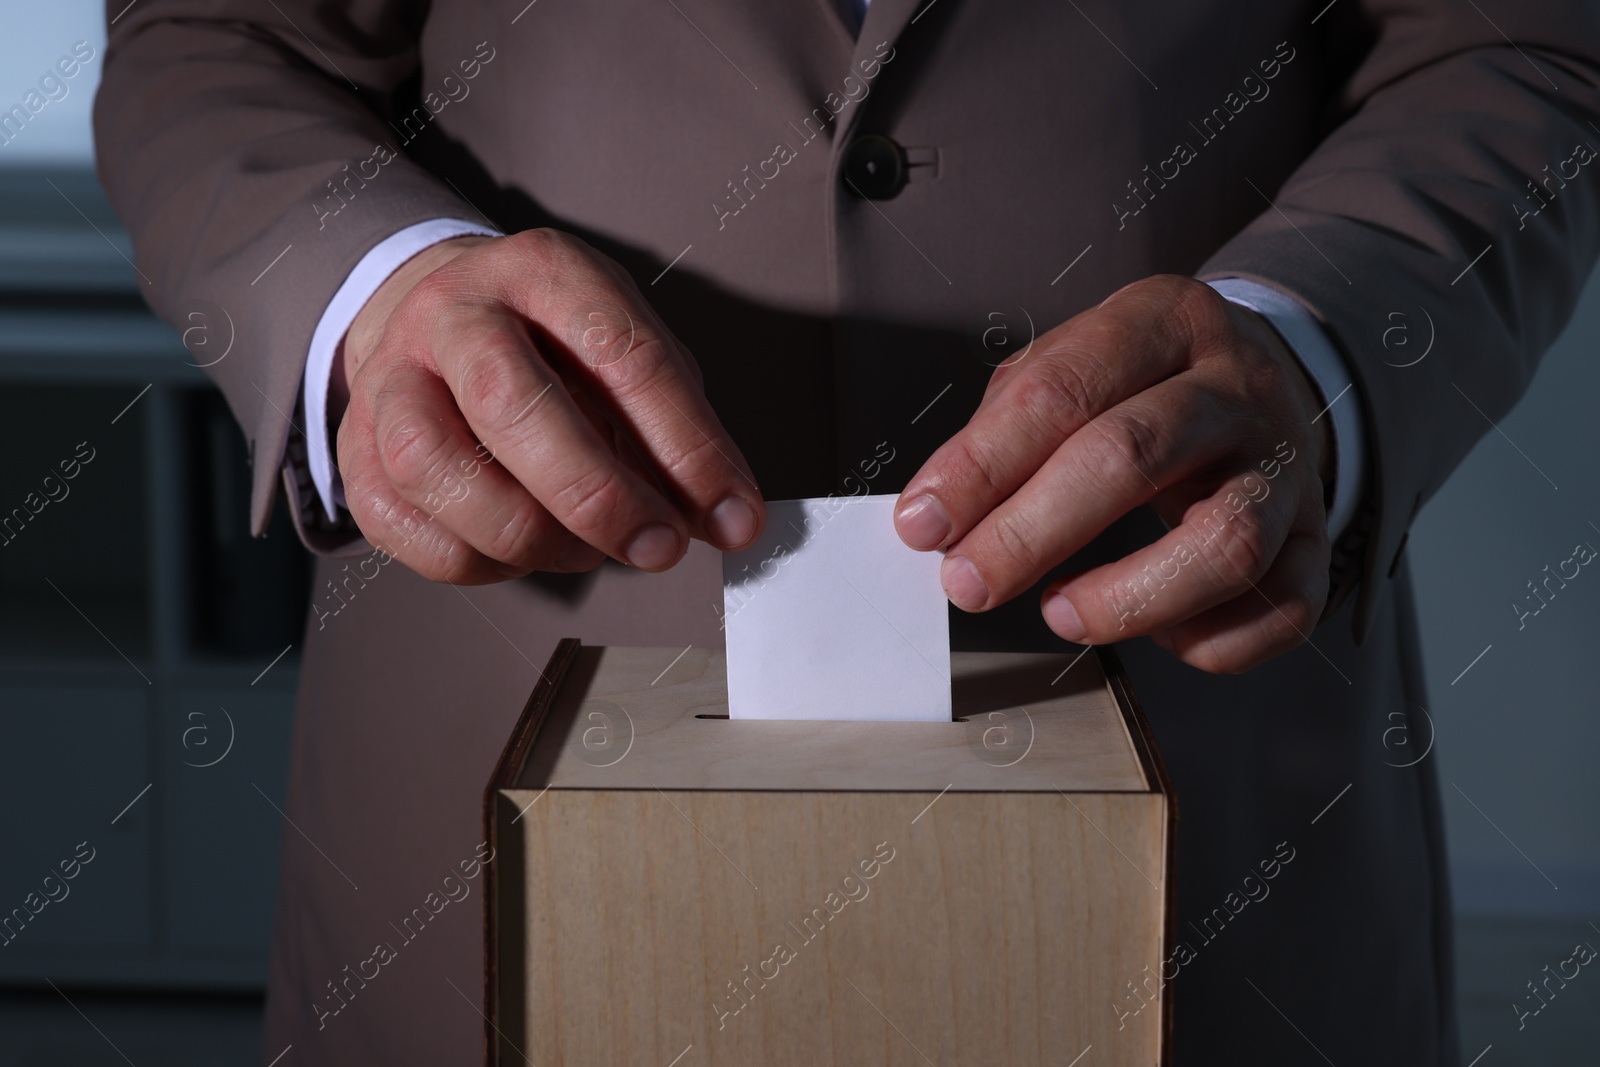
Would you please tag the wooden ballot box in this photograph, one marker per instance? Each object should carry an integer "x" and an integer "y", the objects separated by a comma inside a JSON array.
[{"x": 672, "y": 888}]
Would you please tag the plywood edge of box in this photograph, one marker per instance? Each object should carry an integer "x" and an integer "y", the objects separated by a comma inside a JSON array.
[
  {"x": 656, "y": 718},
  {"x": 1144, "y": 743},
  {"x": 512, "y": 757}
]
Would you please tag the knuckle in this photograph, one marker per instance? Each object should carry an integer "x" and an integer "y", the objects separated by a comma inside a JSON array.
[
  {"x": 430, "y": 293},
  {"x": 1057, "y": 393},
  {"x": 369, "y": 501},
  {"x": 542, "y": 243},
  {"x": 1196, "y": 307},
  {"x": 629, "y": 370},
  {"x": 409, "y": 535},
  {"x": 522, "y": 535},
  {"x": 698, "y": 463},
  {"x": 491, "y": 388},
  {"x": 980, "y": 461},
  {"x": 453, "y": 562},
  {"x": 589, "y": 504},
  {"x": 355, "y": 448},
  {"x": 1238, "y": 555},
  {"x": 412, "y": 449},
  {"x": 1126, "y": 438},
  {"x": 368, "y": 515},
  {"x": 1121, "y": 604},
  {"x": 1007, "y": 552}
]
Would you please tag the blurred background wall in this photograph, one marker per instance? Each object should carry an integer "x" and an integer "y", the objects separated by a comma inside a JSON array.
[
  {"x": 148, "y": 644},
  {"x": 149, "y": 552}
]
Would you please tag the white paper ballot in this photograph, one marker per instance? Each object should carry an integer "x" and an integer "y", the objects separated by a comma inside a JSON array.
[{"x": 830, "y": 616}]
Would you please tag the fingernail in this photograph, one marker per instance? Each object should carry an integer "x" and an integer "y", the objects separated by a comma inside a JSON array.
[
  {"x": 731, "y": 523},
  {"x": 1062, "y": 617},
  {"x": 1163, "y": 639},
  {"x": 653, "y": 547},
  {"x": 962, "y": 584},
  {"x": 923, "y": 523}
]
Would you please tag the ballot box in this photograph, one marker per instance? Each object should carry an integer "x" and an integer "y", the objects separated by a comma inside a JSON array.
[{"x": 672, "y": 888}]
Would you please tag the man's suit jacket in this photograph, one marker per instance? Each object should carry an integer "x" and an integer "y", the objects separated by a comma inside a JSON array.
[{"x": 1373, "y": 158}]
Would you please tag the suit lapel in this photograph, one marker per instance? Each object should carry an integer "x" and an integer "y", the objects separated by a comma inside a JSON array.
[
  {"x": 885, "y": 21},
  {"x": 833, "y": 11}
]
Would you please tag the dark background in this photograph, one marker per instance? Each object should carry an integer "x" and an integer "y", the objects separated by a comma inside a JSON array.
[{"x": 142, "y": 631}]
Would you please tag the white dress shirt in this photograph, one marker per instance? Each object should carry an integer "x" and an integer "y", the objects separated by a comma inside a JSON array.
[
  {"x": 1326, "y": 369},
  {"x": 1293, "y": 322},
  {"x": 374, "y": 269}
]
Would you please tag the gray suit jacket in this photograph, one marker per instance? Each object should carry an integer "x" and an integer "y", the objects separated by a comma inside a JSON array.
[{"x": 1370, "y": 157}]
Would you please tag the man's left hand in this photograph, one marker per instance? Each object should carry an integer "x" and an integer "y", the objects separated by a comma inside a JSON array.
[{"x": 1165, "y": 394}]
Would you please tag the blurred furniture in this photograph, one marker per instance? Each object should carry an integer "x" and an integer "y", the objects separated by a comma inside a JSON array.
[{"x": 148, "y": 644}]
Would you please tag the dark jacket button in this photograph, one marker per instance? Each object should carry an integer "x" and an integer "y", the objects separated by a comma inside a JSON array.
[{"x": 874, "y": 167}]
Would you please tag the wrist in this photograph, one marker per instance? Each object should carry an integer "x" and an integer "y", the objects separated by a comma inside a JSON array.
[
  {"x": 366, "y": 329},
  {"x": 1307, "y": 394}
]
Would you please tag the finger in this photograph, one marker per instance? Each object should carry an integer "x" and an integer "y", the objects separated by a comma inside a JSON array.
[
  {"x": 1006, "y": 369},
  {"x": 399, "y": 528},
  {"x": 1275, "y": 617},
  {"x": 514, "y": 403},
  {"x": 596, "y": 321},
  {"x": 626, "y": 450},
  {"x": 432, "y": 459},
  {"x": 579, "y": 555},
  {"x": 1225, "y": 544},
  {"x": 1122, "y": 459},
  {"x": 1079, "y": 370}
]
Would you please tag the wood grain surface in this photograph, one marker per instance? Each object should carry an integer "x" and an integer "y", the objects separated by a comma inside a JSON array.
[{"x": 734, "y": 928}]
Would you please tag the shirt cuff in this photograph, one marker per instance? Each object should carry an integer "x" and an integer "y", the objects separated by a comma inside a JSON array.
[
  {"x": 1327, "y": 370},
  {"x": 374, "y": 269}
]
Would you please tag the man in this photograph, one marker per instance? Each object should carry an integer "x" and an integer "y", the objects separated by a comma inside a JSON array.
[{"x": 750, "y": 249}]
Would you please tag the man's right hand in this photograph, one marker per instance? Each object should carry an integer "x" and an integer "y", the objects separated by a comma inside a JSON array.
[{"x": 513, "y": 404}]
